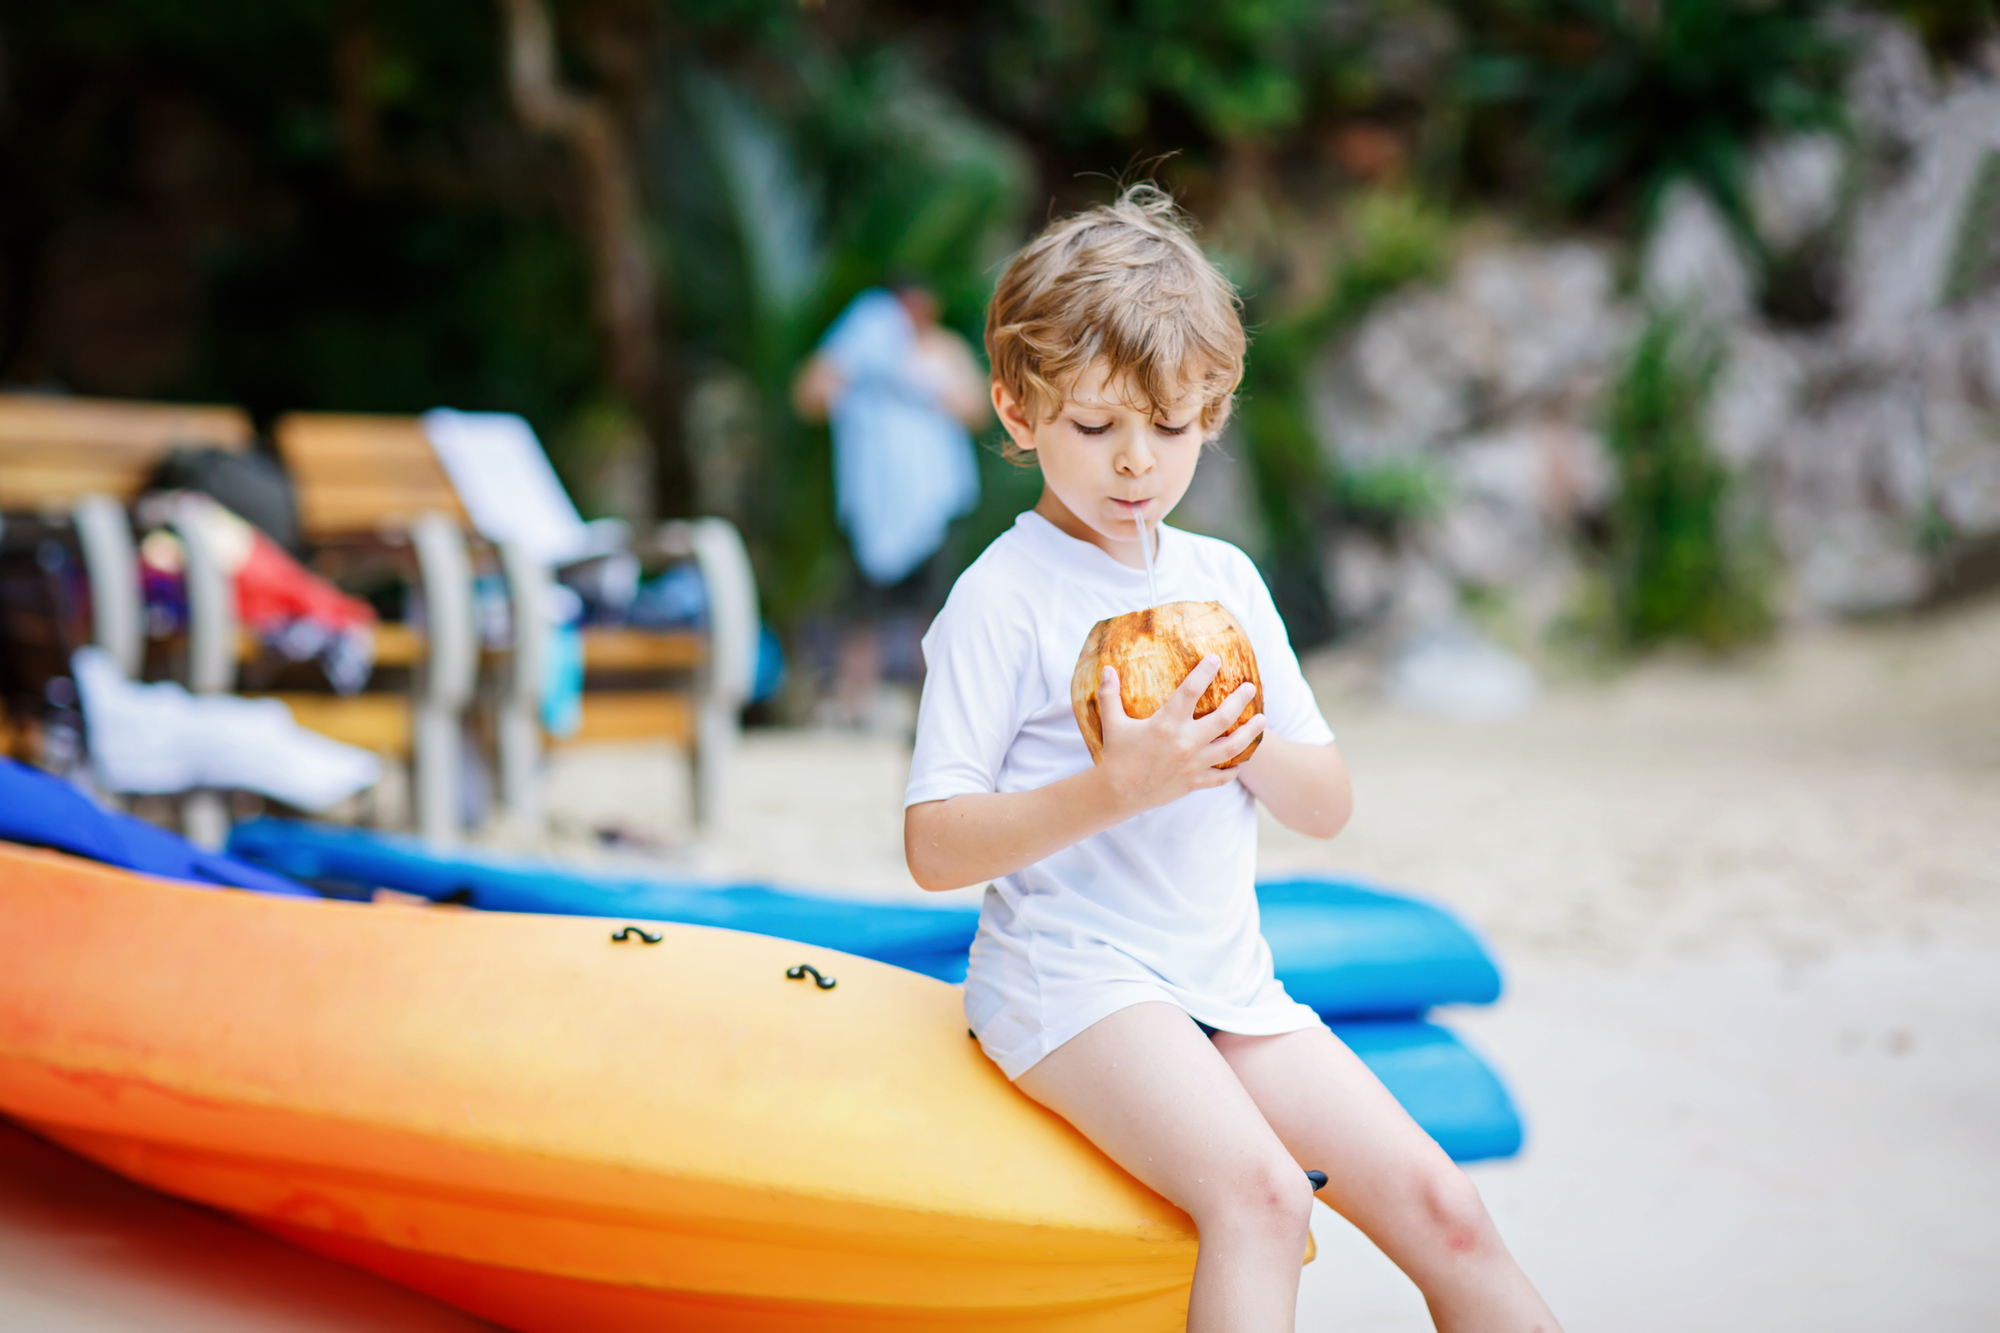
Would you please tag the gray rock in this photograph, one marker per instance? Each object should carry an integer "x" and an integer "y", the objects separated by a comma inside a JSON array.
[
  {"x": 1425, "y": 595},
  {"x": 1855, "y": 563},
  {"x": 1363, "y": 576},
  {"x": 1544, "y": 317},
  {"x": 1399, "y": 384},
  {"x": 1853, "y": 489},
  {"x": 1515, "y": 495},
  {"x": 1486, "y": 545},
  {"x": 1492, "y": 382},
  {"x": 1905, "y": 236},
  {"x": 1221, "y": 501},
  {"x": 1692, "y": 262},
  {"x": 1795, "y": 188},
  {"x": 1516, "y": 328},
  {"x": 1891, "y": 93},
  {"x": 1965, "y": 468},
  {"x": 1755, "y": 396},
  {"x": 1862, "y": 449},
  {"x": 1980, "y": 356},
  {"x": 1856, "y": 445}
]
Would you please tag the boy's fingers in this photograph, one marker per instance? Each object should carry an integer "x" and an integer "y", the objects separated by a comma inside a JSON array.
[
  {"x": 1236, "y": 742},
  {"x": 1183, "y": 700},
  {"x": 1218, "y": 753},
  {"x": 1231, "y": 709},
  {"x": 1109, "y": 702}
]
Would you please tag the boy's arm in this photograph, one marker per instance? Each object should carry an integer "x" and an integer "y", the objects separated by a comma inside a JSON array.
[
  {"x": 978, "y": 836},
  {"x": 1305, "y": 787}
]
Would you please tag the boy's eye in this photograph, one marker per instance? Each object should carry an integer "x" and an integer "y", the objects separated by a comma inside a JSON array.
[
  {"x": 1165, "y": 429},
  {"x": 1086, "y": 429}
]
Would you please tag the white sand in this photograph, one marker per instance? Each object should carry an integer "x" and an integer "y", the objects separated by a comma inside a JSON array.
[
  {"x": 1751, "y": 920},
  {"x": 1740, "y": 1145},
  {"x": 1752, "y": 923}
]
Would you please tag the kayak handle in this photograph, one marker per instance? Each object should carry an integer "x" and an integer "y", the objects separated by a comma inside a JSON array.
[
  {"x": 824, "y": 983},
  {"x": 628, "y": 932}
]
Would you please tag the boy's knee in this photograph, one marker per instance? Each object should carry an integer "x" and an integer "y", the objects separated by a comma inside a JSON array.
[
  {"x": 1273, "y": 1198},
  {"x": 1452, "y": 1211}
]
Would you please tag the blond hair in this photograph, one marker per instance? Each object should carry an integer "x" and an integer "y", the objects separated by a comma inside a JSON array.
[{"x": 1126, "y": 283}]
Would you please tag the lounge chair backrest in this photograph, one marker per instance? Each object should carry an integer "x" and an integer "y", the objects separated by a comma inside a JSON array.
[
  {"x": 54, "y": 450},
  {"x": 360, "y": 474}
]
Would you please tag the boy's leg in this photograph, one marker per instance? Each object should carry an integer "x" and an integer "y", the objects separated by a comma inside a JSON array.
[
  {"x": 1388, "y": 1177},
  {"x": 1145, "y": 1086}
]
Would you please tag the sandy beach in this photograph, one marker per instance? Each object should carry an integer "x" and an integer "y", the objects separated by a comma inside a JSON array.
[{"x": 1750, "y": 917}]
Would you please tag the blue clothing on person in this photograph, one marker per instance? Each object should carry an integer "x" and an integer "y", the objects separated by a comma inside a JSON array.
[{"x": 903, "y": 469}]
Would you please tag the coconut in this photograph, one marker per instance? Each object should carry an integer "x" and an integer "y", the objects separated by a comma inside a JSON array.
[{"x": 1153, "y": 651}]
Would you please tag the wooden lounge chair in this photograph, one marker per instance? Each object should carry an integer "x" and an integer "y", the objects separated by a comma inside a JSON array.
[
  {"x": 354, "y": 476},
  {"x": 69, "y": 470},
  {"x": 423, "y": 679}
]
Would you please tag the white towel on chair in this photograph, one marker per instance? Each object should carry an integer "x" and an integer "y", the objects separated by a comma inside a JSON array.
[
  {"x": 159, "y": 740},
  {"x": 510, "y": 492}
]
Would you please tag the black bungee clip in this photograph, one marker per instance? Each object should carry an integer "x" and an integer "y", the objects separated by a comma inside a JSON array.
[
  {"x": 646, "y": 936},
  {"x": 823, "y": 982}
]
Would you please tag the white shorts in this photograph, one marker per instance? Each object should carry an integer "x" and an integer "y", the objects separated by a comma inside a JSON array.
[{"x": 1028, "y": 993}]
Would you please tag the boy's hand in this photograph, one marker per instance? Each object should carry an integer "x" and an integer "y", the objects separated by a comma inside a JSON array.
[
  {"x": 1149, "y": 762},
  {"x": 977, "y": 836}
]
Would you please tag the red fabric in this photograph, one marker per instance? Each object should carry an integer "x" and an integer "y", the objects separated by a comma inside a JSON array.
[{"x": 274, "y": 589}]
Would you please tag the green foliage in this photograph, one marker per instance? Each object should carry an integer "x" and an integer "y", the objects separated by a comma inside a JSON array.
[
  {"x": 1614, "y": 99},
  {"x": 783, "y": 196},
  {"x": 376, "y": 232},
  {"x": 1975, "y": 257},
  {"x": 1097, "y": 69},
  {"x": 1677, "y": 569},
  {"x": 1294, "y": 483},
  {"x": 377, "y": 309},
  {"x": 360, "y": 236},
  {"x": 1393, "y": 239},
  {"x": 1389, "y": 496}
]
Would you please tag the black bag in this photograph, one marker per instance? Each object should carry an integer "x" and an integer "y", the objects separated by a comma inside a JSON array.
[{"x": 249, "y": 485}]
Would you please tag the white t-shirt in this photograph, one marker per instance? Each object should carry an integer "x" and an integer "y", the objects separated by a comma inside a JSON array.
[{"x": 1163, "y": 906}]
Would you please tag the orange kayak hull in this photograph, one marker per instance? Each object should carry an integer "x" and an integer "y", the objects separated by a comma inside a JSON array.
[{"x": 554, "y": 1131}]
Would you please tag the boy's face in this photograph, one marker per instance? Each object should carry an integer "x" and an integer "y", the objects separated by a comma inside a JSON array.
[{"x": 1106, "y": 462}]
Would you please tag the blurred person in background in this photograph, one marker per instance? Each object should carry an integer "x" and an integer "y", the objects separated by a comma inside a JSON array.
[{"x": 902, "y": 394}]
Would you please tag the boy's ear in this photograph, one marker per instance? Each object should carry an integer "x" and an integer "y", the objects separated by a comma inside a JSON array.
[{"x": 1019, "y": 429}]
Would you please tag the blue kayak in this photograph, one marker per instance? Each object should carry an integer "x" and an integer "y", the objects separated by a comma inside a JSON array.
[
  {"x": 1344, "y": 949},
  {"x": 1369, "y": 960},
  {"x": 40, "y": 810},
  {"x": 1445, "y": 1087},
  {"x": 1317, "y": 929},
  {"x": 344, "y": 861},
  {"x": 1340, "y": 948}
]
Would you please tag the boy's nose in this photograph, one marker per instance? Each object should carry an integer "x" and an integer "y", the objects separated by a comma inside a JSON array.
[{"x": 1135, "y": 459}]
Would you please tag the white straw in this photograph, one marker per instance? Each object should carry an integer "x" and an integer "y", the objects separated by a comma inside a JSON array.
[{"x": 1146, "y": 550}]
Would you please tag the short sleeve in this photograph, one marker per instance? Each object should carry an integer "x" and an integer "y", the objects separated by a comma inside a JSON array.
[
  {"x": 1289, "y": 704},
  {"x": 872, "y": 339},
  {"x": 975, "y": 659}
]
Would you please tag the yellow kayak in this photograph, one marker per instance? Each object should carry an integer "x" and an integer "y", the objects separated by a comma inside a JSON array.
[{"x": 559, "y": 1132}]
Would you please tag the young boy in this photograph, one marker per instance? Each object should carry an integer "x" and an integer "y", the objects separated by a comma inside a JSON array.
[{"x": 1119, "y": 976}]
